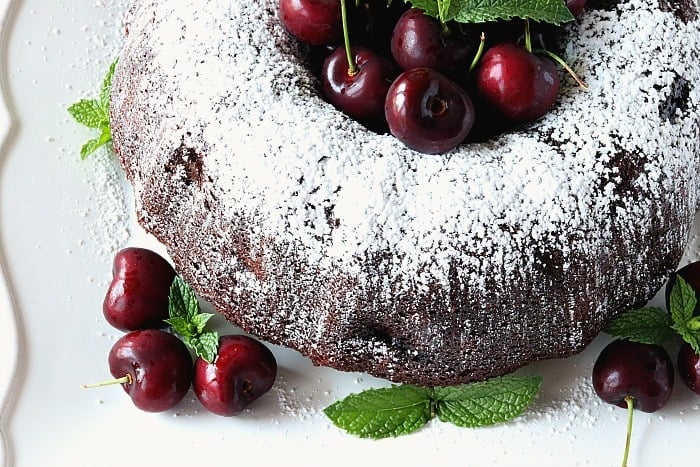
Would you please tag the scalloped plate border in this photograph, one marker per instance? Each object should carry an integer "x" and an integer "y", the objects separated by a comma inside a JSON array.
[{"x": 9, "y": 322}]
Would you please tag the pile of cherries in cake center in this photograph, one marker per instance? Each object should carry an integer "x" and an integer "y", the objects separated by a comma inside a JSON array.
[{"x": 432, "y": 85}]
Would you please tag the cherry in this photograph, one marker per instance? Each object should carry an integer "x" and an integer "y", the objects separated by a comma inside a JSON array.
[
  {"x": 421, "y": 41},
  {"x": 137, "y": 297},
  {"x": 518, "y": 84},
  {"x": 427, "y": 111},
  {"x": 576, "y": 6},
  {"x": 243, "y": 370},
  {"x": 154, "y": 368},
  {"x": 689, "y": 367},
  {"x": 315, "y": 22},
  {"x": 642, "y": 371},
  {"x": 360, "y": 93}
]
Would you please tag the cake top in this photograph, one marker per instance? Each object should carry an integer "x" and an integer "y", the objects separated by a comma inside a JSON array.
[{"x": 323, "y": 183}]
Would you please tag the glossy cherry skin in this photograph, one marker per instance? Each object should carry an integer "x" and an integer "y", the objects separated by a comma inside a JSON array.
[
  {"x": 159, "y": 365},
  {"x": 691, "y": 274},
  {"x": 521, "y": 86},
  {"x": 314, "y": 22},
  {"x": 420, "y": 41},
  {"x": 427, "y": 111},
  {"x": 360, "y": 95},
  {"x": 137, "y": 297},
  {"x": 576, "y": 6},
  {"x": 642, "y": 371},
  {"x": 243, "y": 370},
  {"x": 689, "y": 367}
]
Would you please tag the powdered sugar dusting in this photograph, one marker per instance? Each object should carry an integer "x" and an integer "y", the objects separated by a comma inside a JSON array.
[
  {"x": 315, "y": 231},
  {"x": 269, "y": 153}
]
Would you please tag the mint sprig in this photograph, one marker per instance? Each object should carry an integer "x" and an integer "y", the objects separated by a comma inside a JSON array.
[
  {"x": 480, "y": 11},
  {"x": 187, "y": 319},
  {"x": 654, "y": 326},
  {"x": 649, "y": 325},
  {"x": 399, "y": 410},
  {"x": 682, "y": 302},
  {"x": 94, "y": 113}
]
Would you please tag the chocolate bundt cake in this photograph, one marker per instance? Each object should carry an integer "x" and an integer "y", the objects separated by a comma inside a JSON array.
[{"x": 308, "y": 230}]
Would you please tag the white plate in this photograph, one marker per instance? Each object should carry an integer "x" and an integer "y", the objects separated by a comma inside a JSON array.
[{"x": 61, "y": 221}]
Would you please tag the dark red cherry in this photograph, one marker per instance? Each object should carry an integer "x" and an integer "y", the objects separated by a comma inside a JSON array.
[
  {"x": 360, "y": 94},
  {"x": 518, "y": 84},
  {"x": 137, "y": 297},
  {"x": 315, "y": 22},
  {"x": 157, "y": 368},
  {"x": 691, "y": 274},
  {"x": 243, "y": 370},
  {"x": 427, "y": 111},
  {"x": 689, "y": 367},
  {"x": 576, "y": 6},
  {"x": 421, "y": 41},
  {"x": 642, "y": 371}
]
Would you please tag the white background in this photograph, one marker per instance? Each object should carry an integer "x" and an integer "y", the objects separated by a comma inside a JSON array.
[{"x": 61, "y": 221}]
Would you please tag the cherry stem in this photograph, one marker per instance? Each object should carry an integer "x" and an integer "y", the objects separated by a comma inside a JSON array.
[
  {"x": 528, "y": 40},
  {"x": 630, "y": 412},
  {"x": 352, "y": 68},
  {"x": 564, "y": 65},
  {"x": 479, "y": 52},
  {"x": 126, "y": 379}
]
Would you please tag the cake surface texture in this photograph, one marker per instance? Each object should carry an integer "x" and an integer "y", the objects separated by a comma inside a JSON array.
[{"x": 308, "y": 230}]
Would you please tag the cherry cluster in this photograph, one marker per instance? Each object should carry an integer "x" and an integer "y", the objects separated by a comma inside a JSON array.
[
  {"x": 432, "y": 84},
  {"x": 154, "y": 366}
]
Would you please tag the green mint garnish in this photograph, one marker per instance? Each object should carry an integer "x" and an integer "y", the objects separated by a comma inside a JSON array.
[
  {"x": 480, "y": 11},
  {"x": 644, "y": 325},
  {"x": 487, "y": 403},
  {"x": 682, "y": 302},
  {"x": 94, "y": 113},
  {"x": 399, "y": 410},
  {"x": 189, "y": 322}
]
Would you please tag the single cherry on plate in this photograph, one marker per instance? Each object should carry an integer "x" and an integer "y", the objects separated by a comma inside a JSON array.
[
  {"x": 137, "y": 297},
  {"x": 632, "y": 375},
  {"x": 243, "y": 370},
  {"x": 314, "y": 22},
  {"x": 427, "y": 111},
  {"x": 359, "y": 92},
  {"x": 520, "y": 85},
  {"x": 422, "y": 41},
  {"x": 154, "y": 368},
  {"x": 689, "y": 367}
]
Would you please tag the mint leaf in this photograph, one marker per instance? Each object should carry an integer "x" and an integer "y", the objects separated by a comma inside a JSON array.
[
  {"x": 205, "y": 345},
  {"x": 480, "y": 11},
  {"x": 486, "y": 403},
  {"x": 546, "y": 11},
  {"x": 94, "y": 144},
  {"x": 94, "y": 113},
  {"x": 107, "y": 88},
  {"x": 384, "y": 412},
  {"x": 682, "y": 303},
  {"x": 644, "y": 325},
  {"x": 182, "y": 300},
  {"x": 189, "y": 322},
  {"x": 88, "y": 112}
]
